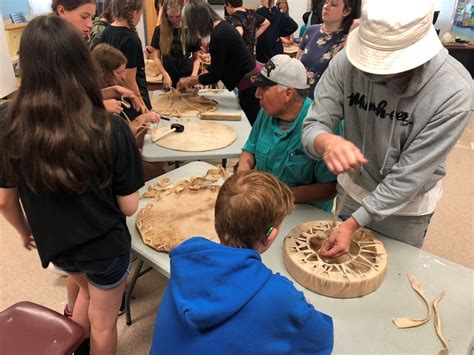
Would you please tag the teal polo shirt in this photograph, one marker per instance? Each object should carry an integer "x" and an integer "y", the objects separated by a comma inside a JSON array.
[{"x": 281, "y": 153}]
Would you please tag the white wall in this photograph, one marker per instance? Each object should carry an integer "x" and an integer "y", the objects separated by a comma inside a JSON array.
[
  {"x": 251, "y": 4},
  {"x": 297, "y": 9},
  {"x": 219, "y": 9},
  {"x": 39, "y": 7},
  {"x": 446, "y": 10},
  {"x": 7, "y": 76}
]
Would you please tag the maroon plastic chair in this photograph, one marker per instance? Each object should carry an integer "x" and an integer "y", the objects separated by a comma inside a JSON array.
[{"x": 28, "y": 328}]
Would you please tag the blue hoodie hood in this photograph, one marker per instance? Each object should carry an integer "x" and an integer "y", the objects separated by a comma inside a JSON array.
[{"x": 221, "y": 291}]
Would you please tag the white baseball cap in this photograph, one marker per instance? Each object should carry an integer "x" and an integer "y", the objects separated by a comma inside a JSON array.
[
  {"x": 393, "y": 36},
  {"x": 284, "y": 70}
]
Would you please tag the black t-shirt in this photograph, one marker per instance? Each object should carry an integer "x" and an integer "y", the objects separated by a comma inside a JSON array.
[
  {"x": 269, "y": 43},
  {"x": 250, "y": 21},
  {"x": 130, "y": 45},
  {"x": 176, "y": 63},
  {"x": 230, "y": 58},
  {"x": 90, "y": 225},
  {"x": 176, "y": 49}
]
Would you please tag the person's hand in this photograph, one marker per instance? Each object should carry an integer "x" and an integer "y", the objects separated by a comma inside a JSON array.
[
  {"x": 113, "y": 106},
  {"x": 167, "y": 82},
  {"x": 122, "y": 91},
  {"x": 183, "y": 83},
  {"x": 337, "y": 244},
  {"x": 148, "y": 51},
  {"x": 204, "y": 57},
  {"x": 285, "y": 41},
  {"x": 341, "y": 155},
  {"x": 28, "y": 241},
  {"x": 149, "y": 117},
  {"x": 339, "y": 241},
  {"x": 134, "y": 99}
]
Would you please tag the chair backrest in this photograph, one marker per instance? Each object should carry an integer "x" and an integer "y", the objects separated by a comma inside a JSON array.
[{"x": 28, "y": 328}]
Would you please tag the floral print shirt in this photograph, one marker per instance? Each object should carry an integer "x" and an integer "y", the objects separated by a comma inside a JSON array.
[
  {"x": 318, "y": 49},
  {"x": 250, "y": 22}
]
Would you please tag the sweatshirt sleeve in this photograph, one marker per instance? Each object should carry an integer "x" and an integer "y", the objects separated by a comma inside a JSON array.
[
  {"x": 418, "y": 161},
  {"x": 316, "y": 335},
  {"x": 327, "y": 109}
]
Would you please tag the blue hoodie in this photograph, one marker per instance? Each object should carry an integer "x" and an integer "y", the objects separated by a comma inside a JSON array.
[{"x": 223, "y": 300}]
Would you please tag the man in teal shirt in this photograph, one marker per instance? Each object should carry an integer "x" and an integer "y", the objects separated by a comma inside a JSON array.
[{"x": 274, "y": 144}]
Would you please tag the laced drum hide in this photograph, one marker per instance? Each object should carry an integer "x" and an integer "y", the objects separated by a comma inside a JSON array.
[
  {"x": 355, "y": 274},
  {"x": 180, "y": 211}
]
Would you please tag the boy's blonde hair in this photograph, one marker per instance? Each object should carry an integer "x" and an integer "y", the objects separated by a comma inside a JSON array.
[{"x": 248, "y": 204}]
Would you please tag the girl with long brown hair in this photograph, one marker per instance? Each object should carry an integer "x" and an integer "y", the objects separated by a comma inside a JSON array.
[
  {"x": 111, "y": 64},
  {"x": 173, "y": 60},
  {"x": 76, "y": 171}
]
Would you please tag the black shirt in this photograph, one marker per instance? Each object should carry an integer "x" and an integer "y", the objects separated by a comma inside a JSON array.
[
  {"x": 230, "y": 58},
  {"x": 176, "y": 63},
  {"x": 250, "y": 21},
  {"x": 316, "y": 16},
  {"x": 90, "y": 225},
  {"x": 130, "y": 45},
  {"x": 269, "y": 43}
]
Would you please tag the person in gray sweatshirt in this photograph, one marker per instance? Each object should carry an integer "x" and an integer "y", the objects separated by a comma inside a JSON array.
[{"x": 405, "y": 103}]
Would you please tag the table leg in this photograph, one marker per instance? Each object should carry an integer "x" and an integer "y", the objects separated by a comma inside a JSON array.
[
  {"x": 128, "y": 295},
  {"x": 130, "y": 287}
]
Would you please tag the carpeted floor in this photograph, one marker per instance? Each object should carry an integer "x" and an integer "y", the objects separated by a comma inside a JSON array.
[{"x": 450, "y": 236}]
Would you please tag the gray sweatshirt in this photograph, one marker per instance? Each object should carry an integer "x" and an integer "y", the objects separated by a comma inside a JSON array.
[{"x": 405, "y": 127}]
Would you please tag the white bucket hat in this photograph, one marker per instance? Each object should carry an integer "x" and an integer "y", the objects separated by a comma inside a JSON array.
[{"x": 393, "y": 36}]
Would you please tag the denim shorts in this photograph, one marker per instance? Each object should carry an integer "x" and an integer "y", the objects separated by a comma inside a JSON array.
[{"x": 104, "y": 273}]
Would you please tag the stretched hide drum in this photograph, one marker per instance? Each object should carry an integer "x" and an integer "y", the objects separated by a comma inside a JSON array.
[
  {"x": 355, "y": 274},
  {"x": 178, "y": 104},
  {"x": 198, "y": 136},
  {"x": 180, "y": 211}
]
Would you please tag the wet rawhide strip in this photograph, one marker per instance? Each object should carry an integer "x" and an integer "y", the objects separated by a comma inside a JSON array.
[
  {"x": 412, "y": 322},
  {"x": 437, "y": 323}
]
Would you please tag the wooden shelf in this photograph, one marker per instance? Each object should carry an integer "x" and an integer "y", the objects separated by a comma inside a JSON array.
[
  {"x": 14, "y": 26},
  {"x": 13, "y": 32}
]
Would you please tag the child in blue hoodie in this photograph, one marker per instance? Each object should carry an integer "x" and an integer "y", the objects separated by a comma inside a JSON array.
[{"x": 221, "y": 298}]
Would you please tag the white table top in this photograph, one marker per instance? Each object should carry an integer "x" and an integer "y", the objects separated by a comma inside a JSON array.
[
  {"x": 364, "y": 325},
  {"x": 227, "y": 103}
]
